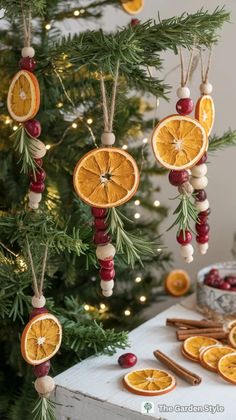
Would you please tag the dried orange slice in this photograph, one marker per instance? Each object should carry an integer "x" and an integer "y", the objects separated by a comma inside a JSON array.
[
  {"x": 177, "y": 282},
  {"x": 231, "y": 324},
  {"x": 23, "y": 98},
  {"x": 132, "y": 6},
  {"x": 106, "y": 177},
  {"x": 188, "y": 357},
  {"x": 232, "y": 336},
  {"x": 193, "y": 345},
  {"x": 41, "y": 339},
  {"x": 205, "y": 112},
  {"x": 227, "y": 367},
  {"x": 210, "y": 357},
  {"x": 149, "y": 382},
  {"x": 179, "y": 142}
]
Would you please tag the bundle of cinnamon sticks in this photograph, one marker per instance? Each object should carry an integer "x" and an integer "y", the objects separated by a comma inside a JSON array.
[{"x": 190, "y": 327}]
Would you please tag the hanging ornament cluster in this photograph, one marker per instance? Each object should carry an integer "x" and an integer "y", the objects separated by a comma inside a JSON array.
[
  {"x": 106, "y": 177},
  {"x": 132, "y": 7},
  {"x": 180, "y": 144}
]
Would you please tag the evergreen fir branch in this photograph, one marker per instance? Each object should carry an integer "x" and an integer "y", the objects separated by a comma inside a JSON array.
[
  {"x": 185, "y": 212},
  {"x": 13, "y": 8},
  {"x": 23, "y": 146},
  {"x": 227, "y": 140},
  {"x": 44, "y": 409}
]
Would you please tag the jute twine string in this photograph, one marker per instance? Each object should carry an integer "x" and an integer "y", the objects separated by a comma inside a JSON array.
[
  {"x": 37, "y": 284},
  {"x": 108, "y": 115},
  {"x": 205, "y": 73}
]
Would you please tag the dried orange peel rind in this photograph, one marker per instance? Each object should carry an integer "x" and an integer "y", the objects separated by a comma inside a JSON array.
[
  {"x": 179, "y": 142},
  {"x": 232, "y": 336},
  {"x": 41, "y": 339},
  {"x": 193, "y": 345},
  {"x": 149, "y": 382},
  {"x": 205, "y": 112},
  {"x": 210, "y": 357},
  {"x": 177, "y": 282},
  {"x": 227, "y": 367},
  {"x": 23, "y": 98},
  {"x": 106, "y": 177},
  {"x": 132, "y": 6}
]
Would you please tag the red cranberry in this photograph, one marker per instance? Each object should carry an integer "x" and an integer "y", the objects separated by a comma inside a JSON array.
[
  {"x": 39, "y": 162},
  {"x": 101, "y": 237},
  {"x": 185, "y": 106},
  {"x": 107, "y": 274},
  {"x": 205, "y": 213},
  {"x": 37, "y": 187},
  {"x": 214, "y": 272},
  {"x": 37, "y": 311},
  {"x": 107, "y": 264},
  {"x": 177, "y": 178},
  {"x": 224, "y": 286},
  {"x": 231, "y": 280},
  {"x": 134, "y": 22},
  {"x": 202, "y": 219},
  {"x": 27, "y": 63},
  {"x": 33, "y": 127},
  {"x": 100, "y": 224},
  {"x": 39, "y": 176},
  {"x": 97, "y": 212},
  {"x": 202, "y": 229},
  {"x": 127, "y": 360},
  {"x": 203, "y": 159},
  {"x": 233, "y": 289},
  {"x": 200, "y": 195},
  {"x": 42, "y": 369},
  {"x": 203, "y": 239},
  {"x": 184, "y": 238}
]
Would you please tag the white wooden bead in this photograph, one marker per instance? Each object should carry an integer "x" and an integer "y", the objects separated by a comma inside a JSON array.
[
  {"x": 28, "y": 52},
  {"x": 206, "y": 88},
  {"x": 44, "y": 385},
  {"x": 105, "y": 252},
  {"x": 37, "y": 148},
  {"x": 107, "y": 285},
  {"x": 188, "y": 260},
  {"x": 202, "y": 205},
  {"x": 33, "y": 206},
  {"x": 107, "y": 293},
  {"x": 183, "y": 92},
  {"x": 34, "y": 197},
  {"x": 199, "y": 183},
  {"x": 186, "y": 188},
  {"x": 186, "y": 251},
  {"x": 199, "y": 170},
  {"x": 203, "y": 248},
  {"x": 108, "y": 139},
  {"x": 38, "y": 302}
]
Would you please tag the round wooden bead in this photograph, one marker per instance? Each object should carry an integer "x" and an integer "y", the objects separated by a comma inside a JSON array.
[
  {"x": 188, "y": 260},
  {"x": 44, "y": 385},
  {"x": 34, "y": 197},
  {"x": 186, "y": 251},
  {"x": 107, "y": 293},
  {"x": 107, "y": 285},
  {"x": 108, "y": 139},
  {"x": 203, "y": 248},
  {"x": 202, "y": 205},
  {"x": 199, "y": 183},
  {"x": 186, "y": 188},
  {"x": 38, "y": 302},
  {"x": 33, "y": 206},
  {"x": 206, "y": 88},
  {"x": 28, "y": 52},
  {"x": 199, "y": 170},
  {"x": 183, "y": 92},
  {"x": 105, "y": 252},
  {"x": 37, "y": 148}
]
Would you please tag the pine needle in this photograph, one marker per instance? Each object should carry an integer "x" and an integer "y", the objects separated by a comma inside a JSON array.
[
  {"x": 23, "y": 146},
  {"x": 44, "y": 409},
  {"x": 186, "y": 212},
  {"x": 217, "y": 143}
]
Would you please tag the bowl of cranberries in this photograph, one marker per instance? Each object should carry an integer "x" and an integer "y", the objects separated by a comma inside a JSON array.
[{"x": 216, "y": 290}]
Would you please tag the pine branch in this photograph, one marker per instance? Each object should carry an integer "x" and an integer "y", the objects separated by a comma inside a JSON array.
[
  {"x": 44, "y": 409},
  {"x": 186, "y": 212},
  {"x": 23, "y": 146},
  {"x": 13, "y": 8},
  {"x": 227, "y": 140}
]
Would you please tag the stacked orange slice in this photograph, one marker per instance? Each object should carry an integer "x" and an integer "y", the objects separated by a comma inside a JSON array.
[
  {"x": 193, "y": 345},
  {"x": 210, "y": 356}
]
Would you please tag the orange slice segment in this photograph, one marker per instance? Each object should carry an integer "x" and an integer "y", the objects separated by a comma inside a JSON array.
[
  {"x": 23, "y": 98},
  {"x": 179, "y": 142},
  {"x": 106, "y": 177},
  {"x": 41, "y": 339},
  {"x": 231, "y": 324},
  {"x": 177, "y": 282},
  {"x": 227, "y": 367},
  {"x": 149, "y": 382},
  {"x": 193, "y": 345},
  {"x": 232, "y": 336},
  {"x": 132, "y": 6},
  {"x": 210, "y": 357},
  {"x": 205, "y": 112}
]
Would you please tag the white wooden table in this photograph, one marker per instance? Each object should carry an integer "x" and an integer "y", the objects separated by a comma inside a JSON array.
[{"x": 93, "y": 390}]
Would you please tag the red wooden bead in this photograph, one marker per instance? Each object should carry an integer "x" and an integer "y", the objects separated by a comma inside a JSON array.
[
  {"x": 39, "y": 162},
  {"x": 134, "y": 22},
  {"x": 101, "y": 237},
  {"x": 107, "y": 274},
  {"x": 200, "y": 195},
  {"x": 42, "y": 369},
  {"x": 97, "y": 212},
  {"x": 100, "y": 224},
  {"x": 185, "y": 106},
  {"x": 205, "y": 213},
  {"x": 107, "y": 264},
  {"x": 203, "y": 159},
  {"x": 33, "y": 127},
  {"x": 27, "y": 63},
  {"x": 184, "y": 238},
  {"x": 177, "y": 178},
  {"x": 202, "y": 229},
  {"x": 37, "y": 187},
  {"x": 202, "y": 219},
  {"x": 39, "y": 176},
  {"x": 37, "y": 311},
  {"x": 203, "y": 239}
]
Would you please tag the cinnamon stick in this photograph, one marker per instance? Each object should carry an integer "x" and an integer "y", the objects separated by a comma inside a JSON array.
[
  {"x": 199, "y": 331},
  {"x": 179, "y": 370},
  {"x": 181, "y": 336},
  {"x": 193, "y": 322}
]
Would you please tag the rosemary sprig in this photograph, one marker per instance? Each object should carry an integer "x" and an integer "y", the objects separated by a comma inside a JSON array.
[
  {"x": 44, "y": 409},
  {"x": 226, "y": 140},
  {"x": 186, "y": 212},
  {"x": 133, "y": 246},
  {"x": 23, "y": 146}
]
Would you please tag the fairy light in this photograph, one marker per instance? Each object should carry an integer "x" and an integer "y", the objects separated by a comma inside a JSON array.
[
  {"x": 145, "y": 140},
  {"x": 138, "y": 279},
  {"x": 159, "y": 249},
  {"x": 137, "y": 203},
  {"x": 74, "y": 125},
  {"x": 76, "y": 13},
  {"x": 7, "y": 120},
  {"x": 82, "y": 11},
  {"x": 102, "y": 306},
  {"x": 125, "y": 147},
  {"x": 137, "y": 215},
  {"x": 86, "y": 307},
  {"x": 59, "y": 105},
  {"x": 48, "y": 26},
  {"x": 127, "y": 312},
  {"x": 142, "y": 298},
  {"x": 48, "y": 146},
  {"x": 89, "y": 121},
  {"x": 14, "y": 127},
  {"x": 156, "y": 203}
]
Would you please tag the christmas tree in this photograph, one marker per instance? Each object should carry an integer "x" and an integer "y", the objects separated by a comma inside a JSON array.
[{"x": 68, "y": 70}]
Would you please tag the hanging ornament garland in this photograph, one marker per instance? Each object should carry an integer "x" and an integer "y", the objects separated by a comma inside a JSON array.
[
  {"x": 105, "y": 178},
  {"x": 132, "y": 7}
]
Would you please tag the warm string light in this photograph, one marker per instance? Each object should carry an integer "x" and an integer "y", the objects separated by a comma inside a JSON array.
[
  {"x": 127, "y": 312},
  {"x": 137, "y": 203},
  {"x": 89, "y": 121},
  {"x": 156, "y": 203},
  {"x": 48, "y": 26},
  {"x": 138, "y": 279},
  {"x": 159, "y": 249},
  {"x": 124, "y": 147},
  {"x": 8, "y": 120},
  {"x": 86, "y": 307},
  {"x": 137, "y": 215},
  {"x": 103, "y": 306},
  {"x": 48, "y": 146},
  {"x": 76, "y": 13},
  {"x": 142, "y": 299},
  {"x": 74, "y": 125},
  {"x": 145, "y": 140},
  {"x": 14, "y": 127},
  {"x": 60, "y": 105}
]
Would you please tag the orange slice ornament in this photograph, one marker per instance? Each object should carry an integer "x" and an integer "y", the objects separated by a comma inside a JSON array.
[
  {"x": 23, "y": 98},
  {"x": 106, "y": 177},
  {"x": 132, "y": 6},
  {"x": 41, "y": 339},
  {"x": 205, "y": 112},
  {"x": 149, "y": 382},
  {"x": 177, "y": 282},
  {"x": 179, "y": 142}
]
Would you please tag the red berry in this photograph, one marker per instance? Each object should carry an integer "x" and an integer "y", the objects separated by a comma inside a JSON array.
[
  {"x": 107, "y": 274},
  {"x": 39, "y": 162},
  {"x": 184, "y": 238},
  {"x": 127, "y": 360},
  {"x": 233, "y": 289},
  {"x": 205, "y": 213},
  {"x": 202, "y": 219},
  {"x": 100, "y": 224},
  {"x": 107, "y": 264},
  {"x": 185, "y": 106},
  {"x": 203, "y": 239},
  {"x": 37, "y": 311},
  {"x": 27, "y": 63},
  {"x": 202, "y": 229},
  {"x": 231, "y": 280},
  {"x": 177, "y": 178},
  {"x": 200, "y": 195},
  {"x": 39, "y": 176},
  {"x": 97, "y": 212},
  {"x": 134, "y": 22},
  {"x": 214, "y": 272},
  {"x": 101, "y": 237},
  {"x": 203, "y": 159},
  {"x": 42, "y": 369},
  {"x": 33, "y": 127},
  {"x": 224, "y": 286},
  {"x": 37, "y": 187}
]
